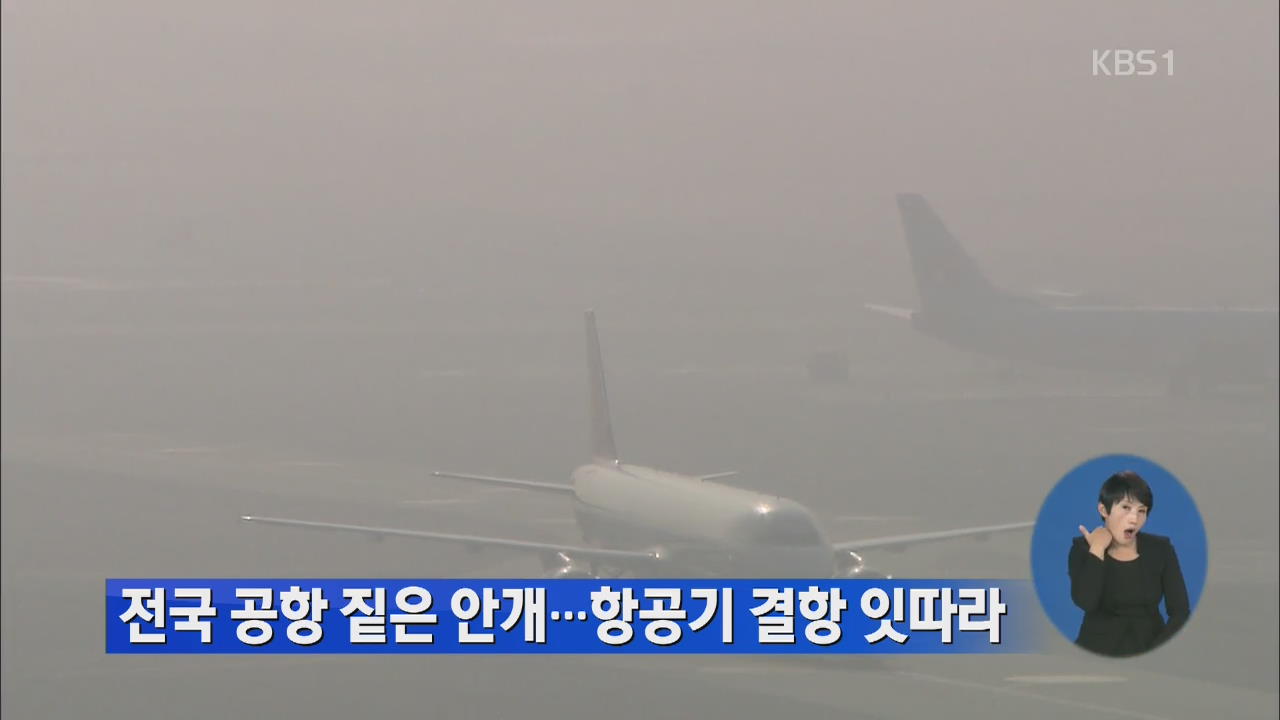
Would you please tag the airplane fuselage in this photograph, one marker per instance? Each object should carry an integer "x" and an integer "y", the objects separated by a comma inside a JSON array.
[
  {"x": 636, "y": 519},
  {"x": 699, "y": 527},
  {"x": 1234, "y": 344},
  {"x": 960, "y": 306}
]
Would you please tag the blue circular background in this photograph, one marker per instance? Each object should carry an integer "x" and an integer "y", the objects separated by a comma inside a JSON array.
[{"x": 1074, "y": 502}]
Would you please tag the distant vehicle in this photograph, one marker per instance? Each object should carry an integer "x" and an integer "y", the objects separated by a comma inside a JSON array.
[
  {"x": 638, "y": 520},
  {"x": 1194, "y": 349}
]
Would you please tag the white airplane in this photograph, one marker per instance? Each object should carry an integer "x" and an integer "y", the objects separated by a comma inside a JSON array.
[
  {"x": 1193, "y": 348},
  {"x": 642, "y": 521}
]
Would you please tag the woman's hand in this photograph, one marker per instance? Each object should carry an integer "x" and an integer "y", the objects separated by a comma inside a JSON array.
[{"x": 1099, "y": 540}]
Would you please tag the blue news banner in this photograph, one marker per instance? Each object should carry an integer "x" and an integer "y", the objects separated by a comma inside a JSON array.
[{"x": 268, "y": 616}]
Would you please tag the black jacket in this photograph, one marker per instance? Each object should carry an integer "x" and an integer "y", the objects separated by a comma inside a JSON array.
[{"x": 1122, "y": 604}]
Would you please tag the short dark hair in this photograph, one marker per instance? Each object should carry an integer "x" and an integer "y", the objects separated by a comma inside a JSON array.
[{"x": 1126, "y": 484}]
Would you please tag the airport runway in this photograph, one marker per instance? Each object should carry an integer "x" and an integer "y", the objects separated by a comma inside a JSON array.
[{"x": 99, "y": 482}]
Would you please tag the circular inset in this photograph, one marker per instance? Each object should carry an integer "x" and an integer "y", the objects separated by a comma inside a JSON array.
[{"x": 1119, "y": 555}]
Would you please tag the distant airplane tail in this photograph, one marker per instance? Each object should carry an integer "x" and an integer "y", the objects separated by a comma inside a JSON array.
[
  {"x": 946, "y": 277},
  {"x": 602, "y": 445}
]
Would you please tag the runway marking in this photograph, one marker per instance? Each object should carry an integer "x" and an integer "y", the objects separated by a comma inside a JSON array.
[
  {"x": 998, "y": 690},
  {"x": 1064, "y": 679}
]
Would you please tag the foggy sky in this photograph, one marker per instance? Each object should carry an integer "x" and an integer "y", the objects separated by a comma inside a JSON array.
[
  {"x": 663, "y": 157},
  {"x": 284, "y": 258}
]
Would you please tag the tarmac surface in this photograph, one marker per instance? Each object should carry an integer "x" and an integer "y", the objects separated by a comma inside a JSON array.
[{"x": 142, "y": 468}]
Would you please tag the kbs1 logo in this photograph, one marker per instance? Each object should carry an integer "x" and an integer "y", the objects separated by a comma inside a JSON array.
[{"x": 1127, "y": 63}]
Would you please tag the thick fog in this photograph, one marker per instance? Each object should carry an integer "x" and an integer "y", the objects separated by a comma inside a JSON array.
[{"x": 288, "y": 258}]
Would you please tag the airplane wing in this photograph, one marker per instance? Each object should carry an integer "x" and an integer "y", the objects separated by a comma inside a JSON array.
[
  {"x": 898, "y": 312},
  {"x": 510, "y": 482},
  {"x": 537, "y": 548},
  {"x": 719, "y": 476},
  {"x": 901, "y": 541}
]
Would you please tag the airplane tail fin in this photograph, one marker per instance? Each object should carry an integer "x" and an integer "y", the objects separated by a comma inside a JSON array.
[
  {"x": 946, "y": 277},
  {"x": 602, "y": 445}
]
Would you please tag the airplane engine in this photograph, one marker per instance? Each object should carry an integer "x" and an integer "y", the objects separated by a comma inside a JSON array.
[
  {"x": 851, "y": 565},
  {"x": 563, "y": 567}
]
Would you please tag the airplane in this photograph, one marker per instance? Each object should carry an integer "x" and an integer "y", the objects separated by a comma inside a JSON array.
[
  {"x": 1194, "y": 349},
  {"x": 642, "y": 521}
]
